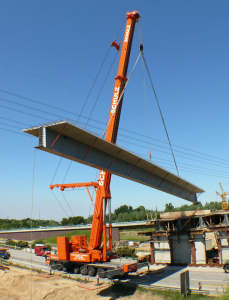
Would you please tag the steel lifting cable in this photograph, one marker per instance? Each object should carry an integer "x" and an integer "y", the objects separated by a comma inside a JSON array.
[
  {"x": 96, "y": 77},
  {"x": 94, "y": 83},
  {"x": 144, "y": 82},
  {"x": 52, "y": 191},
  {"x": 54, "y": 195},
  {"x": 92, "y": 110},
  {"x": 32, "y": 209},
  {"x": 59, "y": 203},
  {"x": 155, "y": 96},
  {"x": 146, "y": 116},
  {"x": 99, "y": 94},
  {"x": 67, "y": 171},
  {"x": 93, "y": 107},
  {"x": 56, "y": 170},
  {"x": 88, "y": 96},
  {"x": 139, "y": 31},
  {"x": 101, "y": 89},
  {"x": 159, "y": 108},
  {"x": 84, "y": 105},
  {"x": 68, "y": 204}
]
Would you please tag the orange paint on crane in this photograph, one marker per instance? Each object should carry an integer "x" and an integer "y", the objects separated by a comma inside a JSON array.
[
  {"x": 103, "y": 191},
  {"x": 77, "y": 247}
]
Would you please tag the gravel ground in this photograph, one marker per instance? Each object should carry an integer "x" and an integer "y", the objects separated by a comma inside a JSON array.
[{"x": 20, "y": 284}]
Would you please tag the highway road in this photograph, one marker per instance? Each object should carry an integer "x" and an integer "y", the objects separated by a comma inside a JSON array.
[
  {"x": 210, "y": 279},
  {"x": 28, "y": 260},
  {"x": 213, "y": 280}
]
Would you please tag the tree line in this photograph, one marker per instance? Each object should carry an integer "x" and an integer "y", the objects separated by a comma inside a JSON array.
[
  {"x": 124, "y": 213},
  {"x": 26, "y": 223}
]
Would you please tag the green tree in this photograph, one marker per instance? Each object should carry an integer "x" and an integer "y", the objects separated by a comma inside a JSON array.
[
  {"x": 213, "y": 205},
  {"x": 22, "y": 244},
  {"x": 73, "y": 220},
  {"x": 169, "y": 207},
  {"x": 123, "y": 209},
  {"x": 140, "y": 208}
]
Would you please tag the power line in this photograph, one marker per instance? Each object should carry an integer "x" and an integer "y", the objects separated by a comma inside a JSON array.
[
  {"x": 10, "y": 125},
  {"x": 162, "y": 149},
  {"x": 155, "y": 146},
  {"x": 23, "y": 112},
  {"x": 36, "y": 101},
  {"x": 12, "y": 131},
  {"x": 187, "y": 152},
  {"x": 135, "y": 133},
  {"x": 159, "y": 150},
  {"x": 183, "y": 164},
  {"x": 184, "y": 167},
  {"x": 31, "y": 108},
  {"x": 14, "y": 121}
]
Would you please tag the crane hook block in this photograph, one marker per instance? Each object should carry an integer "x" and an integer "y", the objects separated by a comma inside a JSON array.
[
  {"x": 116, "y": 45},
  {"x": 141, "y": 47}
]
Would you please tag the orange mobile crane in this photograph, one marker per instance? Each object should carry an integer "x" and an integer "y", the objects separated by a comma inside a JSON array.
[{"x": 76, "y": 255}]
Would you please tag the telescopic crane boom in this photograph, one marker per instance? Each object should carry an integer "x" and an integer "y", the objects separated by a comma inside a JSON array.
[{"x": 103, "y": 196}]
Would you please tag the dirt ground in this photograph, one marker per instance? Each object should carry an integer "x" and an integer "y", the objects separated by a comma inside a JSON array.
[{"x": 20, "y": 284}]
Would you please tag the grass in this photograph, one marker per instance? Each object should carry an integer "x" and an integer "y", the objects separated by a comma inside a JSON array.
[
  {"x": 52, "y": 240},
  {"x": 119, "y": 290},
  {"x": 175, "y": 295},
  {"x": 139, "y": 229},
  {"x": 130, "y": 235},
  {"x": 225, "y": 296}
]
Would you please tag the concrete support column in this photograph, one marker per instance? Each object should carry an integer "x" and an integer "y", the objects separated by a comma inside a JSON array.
[
  {"x": 171, "y": 249},
  {"x": 193, "y": 252},
  {"x": 152, "y": 260},
  {"x": 219, "y": 249},
  {"x": 227, "y": 240}
]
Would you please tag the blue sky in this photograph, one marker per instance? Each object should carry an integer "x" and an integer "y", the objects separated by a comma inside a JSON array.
[{"x": 51, "y": 51}]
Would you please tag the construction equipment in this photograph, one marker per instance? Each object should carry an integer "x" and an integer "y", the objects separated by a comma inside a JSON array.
[
  {"x": 76, "y": 255},
  {"x": 4, "y": 253},
  {"x": 67, "y": 140},
  {"x": 4, "y": 256},
  {"x": 223, "y": 196},
  {"x": 76, "y": 185},
  {"x": 41, "y": 250}
]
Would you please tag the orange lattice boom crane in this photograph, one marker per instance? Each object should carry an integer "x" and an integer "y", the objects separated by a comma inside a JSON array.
[{"x": 77, "y": 251}]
